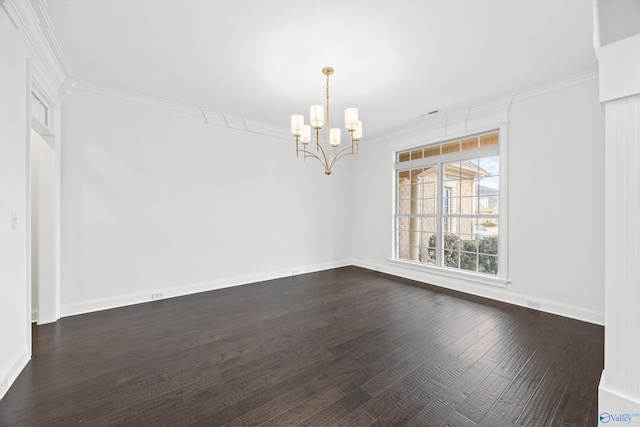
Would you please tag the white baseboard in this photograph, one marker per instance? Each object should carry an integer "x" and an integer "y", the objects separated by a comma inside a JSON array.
[
  {"x": 9, "y": 374},
  {"x": 616, "y": 409},
  {"x": 34, "y": 315},
  {"x": 177, "y": 291},
  {"x": 491, "y": 292},
  {"x": 498, "y": 294}
]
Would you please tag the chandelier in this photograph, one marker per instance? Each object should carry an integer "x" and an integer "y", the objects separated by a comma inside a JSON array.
[{"x": 329, "y": 154}]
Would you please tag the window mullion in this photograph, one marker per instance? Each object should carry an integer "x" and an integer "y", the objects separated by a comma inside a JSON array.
[{"x": 439, "y": 203}]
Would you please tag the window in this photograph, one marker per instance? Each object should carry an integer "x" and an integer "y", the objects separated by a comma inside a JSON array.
[
  {"x": 39, "y": 110},
  {"x": 447, "y": 210}
]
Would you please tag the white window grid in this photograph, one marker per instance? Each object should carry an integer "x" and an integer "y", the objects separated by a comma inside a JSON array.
[{"x": 440, "y": 217}]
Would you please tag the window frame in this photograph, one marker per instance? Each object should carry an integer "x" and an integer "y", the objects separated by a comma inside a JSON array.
[{"x": 501, "y": 279}]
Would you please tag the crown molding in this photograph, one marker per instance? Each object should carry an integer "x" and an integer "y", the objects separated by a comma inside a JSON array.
[
  {"x": 47, "y": 32},
  {"x": 30, "y": 19},
  {"x": 268, "y": 129},
  {"x": 489, "y": 114},
  {"x": 481, "y": 116},
  {"x": 13, "y": 13},
  {"x": 210, "y": 117},
  {"x": 582, "y": 79},
  {"x": 65, "y": 87},
  {"x": 232, "y": 121},
  {"x": 167, "y": 106}
]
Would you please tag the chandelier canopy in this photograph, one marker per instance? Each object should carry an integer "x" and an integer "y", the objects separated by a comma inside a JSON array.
[{"x": 329, "y": 154}]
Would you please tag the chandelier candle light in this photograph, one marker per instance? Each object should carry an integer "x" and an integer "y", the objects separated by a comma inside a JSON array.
[{"x": 325, "y": 155}]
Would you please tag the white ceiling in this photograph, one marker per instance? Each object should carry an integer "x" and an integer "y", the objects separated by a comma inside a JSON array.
[{"x": 262, "y": 59}]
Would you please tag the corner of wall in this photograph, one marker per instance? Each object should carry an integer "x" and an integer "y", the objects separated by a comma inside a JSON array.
[
  {"x": 494, "y": 293},
  {"x": 13, "y": 369}
]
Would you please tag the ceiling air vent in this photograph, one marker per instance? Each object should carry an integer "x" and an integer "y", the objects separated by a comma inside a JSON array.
[{"x": 430, "y": 113}]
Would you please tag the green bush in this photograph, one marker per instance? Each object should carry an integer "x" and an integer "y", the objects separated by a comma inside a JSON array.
[{"x": 469, "y": 255}]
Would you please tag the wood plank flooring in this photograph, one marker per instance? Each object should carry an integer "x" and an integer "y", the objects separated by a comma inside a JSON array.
[{"x": 344, "y": 347}]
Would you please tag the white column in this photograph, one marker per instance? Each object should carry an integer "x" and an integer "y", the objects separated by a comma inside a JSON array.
[
  {"x": 620, "y": 383},
  {"x": 619, "y": 391}
]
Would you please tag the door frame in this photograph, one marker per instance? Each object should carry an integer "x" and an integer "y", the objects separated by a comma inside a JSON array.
[{"x": 49, "y": 296}]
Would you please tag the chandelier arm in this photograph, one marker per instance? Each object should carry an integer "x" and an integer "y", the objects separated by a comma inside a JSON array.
[
  {"x": 324, "y": 154},
  {"x": 340, "y": 155},
  {"x": 342, "y": 150},
  {"x": 310, "y": 154}
]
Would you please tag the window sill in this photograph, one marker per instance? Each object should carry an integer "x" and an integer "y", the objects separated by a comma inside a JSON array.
[{"x": 446, "y": 272}]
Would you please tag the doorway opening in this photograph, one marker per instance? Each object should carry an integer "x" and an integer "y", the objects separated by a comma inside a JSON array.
[{"x": 43, "y": 200}]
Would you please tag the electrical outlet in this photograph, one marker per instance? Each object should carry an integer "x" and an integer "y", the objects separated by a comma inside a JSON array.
[
  {"x": 157, "y": 296},
  {"x": 294, "y": 272},
  {"x": 533, "y": 304}
]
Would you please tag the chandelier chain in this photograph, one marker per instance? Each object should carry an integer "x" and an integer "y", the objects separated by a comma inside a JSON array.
[
  {"x": 327, "y": 102},
  {"x": 327, "y": 90}
]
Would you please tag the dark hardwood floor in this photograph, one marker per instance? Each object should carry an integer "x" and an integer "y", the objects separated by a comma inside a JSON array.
[{"x": 345, "y": 347}]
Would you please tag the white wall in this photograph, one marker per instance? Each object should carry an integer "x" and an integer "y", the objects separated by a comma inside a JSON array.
[
  {"x": 154, "y": 201},
  {"x": 14, "y": 302},
  {"x": 556, "y": 203}
]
